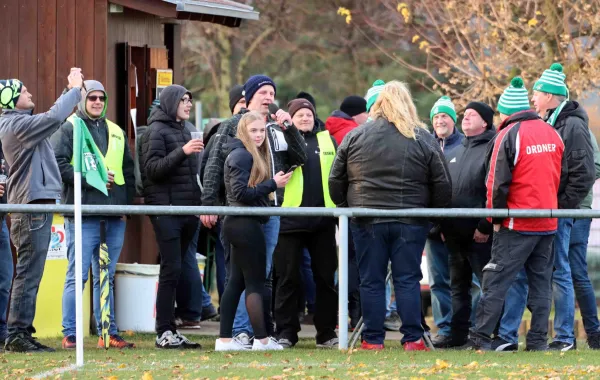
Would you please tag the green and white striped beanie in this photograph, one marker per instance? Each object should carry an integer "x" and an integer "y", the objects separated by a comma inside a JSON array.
[
  {"x": 552, "y": 81},
  {"x": 514, "y": 99},
  {"x": 443, "y": 105},
  {"x": 373, "y": 93}
]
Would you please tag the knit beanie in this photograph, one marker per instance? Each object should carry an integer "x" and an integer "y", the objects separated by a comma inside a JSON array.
[
  {"x": 297, "y": 104},
  {"x": 552, "y": 81},
  {"x": 353, "y": 105},
  {"x": 443, "y": 105},
  {"x": 514, "y": 99},
  {"x": 373, "y": 93},
  {"x": 235, "y": 94},
  {"x": 254, "y": 83},
  {"x": 307, "y": 96},
  {"x": 486, "y": 112},
  {"x": 10, "y": 91}
]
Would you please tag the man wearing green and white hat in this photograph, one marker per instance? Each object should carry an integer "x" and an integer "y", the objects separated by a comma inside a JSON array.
[{"x": 550, "y": 98}]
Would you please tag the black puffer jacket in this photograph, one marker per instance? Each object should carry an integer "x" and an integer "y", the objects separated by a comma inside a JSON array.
[
  {"x": 572, "y": 125},
  {"x": 238, "y": 166},
  {"x": 467, "y": 166},
  {"x": 378, "y": 167},
  {"x": 169, "y": 175}
]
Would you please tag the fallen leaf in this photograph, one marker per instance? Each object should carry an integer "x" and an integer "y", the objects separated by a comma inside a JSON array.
[
  {"x": 147, "y": 376},
  {"x": 204, "y": 358},
  {"x": 285, "y": 370},
  {"x": 472, "y": 365},
  {"x": 122, "y": 366}
]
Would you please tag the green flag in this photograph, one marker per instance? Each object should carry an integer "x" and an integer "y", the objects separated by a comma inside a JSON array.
[{"x": 85, "y": 157}]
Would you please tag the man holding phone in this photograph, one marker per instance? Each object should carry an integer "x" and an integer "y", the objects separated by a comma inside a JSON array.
[{"x": 34, "y": 179}]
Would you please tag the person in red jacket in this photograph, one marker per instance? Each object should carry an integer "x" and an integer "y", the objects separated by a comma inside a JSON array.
[
  {"x": 525, "y": 171},
  {"x": 352, "y": 113}
]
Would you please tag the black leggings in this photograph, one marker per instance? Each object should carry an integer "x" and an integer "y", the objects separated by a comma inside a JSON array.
[{"x": 247, "y": 271}]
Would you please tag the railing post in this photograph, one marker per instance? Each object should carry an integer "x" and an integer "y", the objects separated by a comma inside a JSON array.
[{"x": 343, "y": 283}]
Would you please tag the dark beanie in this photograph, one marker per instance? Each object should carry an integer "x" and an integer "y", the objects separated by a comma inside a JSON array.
[
  {"x": 235, "y": 94},
  {"x": 254, "y": 83},
  {"x": 354, "y": 105},
  {"x": 297, "y": 104},
  {"x": 10, "y": 91},
  {"x": 486, "y": 112},
  {"x": 307, "y": 96}
]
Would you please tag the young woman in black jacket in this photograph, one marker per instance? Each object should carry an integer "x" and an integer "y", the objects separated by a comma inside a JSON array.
[{"x": 248, "y": 183}]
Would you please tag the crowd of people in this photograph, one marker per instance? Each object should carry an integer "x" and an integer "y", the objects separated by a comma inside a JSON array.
[{"x": 374, "y": 152}]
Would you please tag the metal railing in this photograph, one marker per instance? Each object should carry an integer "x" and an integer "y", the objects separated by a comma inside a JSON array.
[{"x": 341, "y": 213}]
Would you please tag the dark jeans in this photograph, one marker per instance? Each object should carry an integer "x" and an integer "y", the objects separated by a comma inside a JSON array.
[
  {"x": 173, "y": 235},
  {"x": 6, "y": 275},
  {"x": 309, "y": 295},
  {"x": 190, "y": 294},
  {"x": 402, "y": 245},
  {"x": 510, "y": 252},
  {"x": 287, "y": 261},
  {"x": 584, "y": 291},
  {"x": 30, "y": 233},
  {"x": 466, "y": 258}
]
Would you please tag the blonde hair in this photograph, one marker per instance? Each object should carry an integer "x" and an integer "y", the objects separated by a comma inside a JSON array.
[
  {"x": 395, "y": 105},
  {"x": 261, "y": 167}
]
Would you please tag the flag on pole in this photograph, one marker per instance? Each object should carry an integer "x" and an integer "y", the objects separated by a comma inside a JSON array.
[
  {"x": 104, "y": 287},
  {"x": 87, "y": 158}
]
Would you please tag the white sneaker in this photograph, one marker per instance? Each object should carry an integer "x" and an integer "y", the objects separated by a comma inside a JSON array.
[
  {"x": 271, "y": 345},
  {"x": 232, "y": 345},
  {"x": 244, "y": 340}
]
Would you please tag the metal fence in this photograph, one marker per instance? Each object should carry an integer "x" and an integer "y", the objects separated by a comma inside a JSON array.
[{"x": 341, "y": 213}]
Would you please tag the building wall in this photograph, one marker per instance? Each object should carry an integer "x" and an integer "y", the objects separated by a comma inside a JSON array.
[{"x": 43, "y": 39}]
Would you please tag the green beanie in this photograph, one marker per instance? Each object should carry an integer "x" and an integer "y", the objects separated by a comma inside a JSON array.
[
  {"x": 10, "y": 91},
  {"x": 514, "y": 99},
  {"x": 443, "y": 105},
  {"x": 373, "y": 93},
  {"x": 552, "y": 81}
]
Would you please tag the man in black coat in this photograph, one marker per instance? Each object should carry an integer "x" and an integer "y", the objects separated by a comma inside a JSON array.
[
  {"x": 468, "y": 240},
  {"x": 170, "y": 167}
]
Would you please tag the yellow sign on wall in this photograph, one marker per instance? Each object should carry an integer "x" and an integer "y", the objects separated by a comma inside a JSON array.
[{"x": 164, "y": 78}]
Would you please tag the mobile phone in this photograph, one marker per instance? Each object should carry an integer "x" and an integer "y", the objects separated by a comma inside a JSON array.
[{"x": 291, "y": 169}]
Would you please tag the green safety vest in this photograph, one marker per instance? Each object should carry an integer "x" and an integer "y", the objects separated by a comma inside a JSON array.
[
  {"x": 116, "y": 149},
  {"x": 292, "y": 197}
]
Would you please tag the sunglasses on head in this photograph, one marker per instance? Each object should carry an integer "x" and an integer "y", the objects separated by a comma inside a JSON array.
[{"x": 93, "y": 98}]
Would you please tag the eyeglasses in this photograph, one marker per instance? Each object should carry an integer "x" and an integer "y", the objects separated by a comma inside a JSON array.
[
  {"x": 93, "y": 98},
  {"x": 186, "y": 100}
]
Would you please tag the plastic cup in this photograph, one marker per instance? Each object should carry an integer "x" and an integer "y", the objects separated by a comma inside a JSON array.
[{"x": 197, "y": 136}]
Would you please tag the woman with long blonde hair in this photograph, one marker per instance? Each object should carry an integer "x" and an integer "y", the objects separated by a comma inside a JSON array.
[
  {"x": 392, "y": 162},
  {"x": 248, "y": 183}
]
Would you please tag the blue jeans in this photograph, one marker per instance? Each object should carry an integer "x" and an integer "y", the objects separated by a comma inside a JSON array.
[
  {"x": 376, "y": 245},
  {"x": 584, "y": 291},
  {"x": 241, "y": 323},
  {"x": 309, "y": 283},
  {"x": 439, "y": 283},
  {"x": 6, "y": 275},
  {"x": 30, "y": 233},
  {"x": 191, "y": 296},
  {"x": 563, "y": 293},
  {"x": 115, "y": 235}
]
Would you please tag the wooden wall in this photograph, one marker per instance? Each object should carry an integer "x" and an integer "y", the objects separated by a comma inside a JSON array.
[{"x": 43, "y": 39}]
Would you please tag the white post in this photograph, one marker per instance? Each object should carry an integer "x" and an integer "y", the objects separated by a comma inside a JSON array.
[
  {"x": 343, "y": 283},
  {"x": 78, "y": 272},
  {"x": 199, "y": 116}
]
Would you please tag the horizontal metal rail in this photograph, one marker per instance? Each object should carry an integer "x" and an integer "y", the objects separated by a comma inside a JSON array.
[{"x": 303, "y": 211}]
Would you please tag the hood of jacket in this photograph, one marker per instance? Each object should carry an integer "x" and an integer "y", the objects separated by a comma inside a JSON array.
[
  {"x": 233, "y": 145},
  {"x": 571, "y": 109},
  {"x": 339, "y": 121},
  {"x": 166, "y": 112},
  {"x": 91, "y": 86}
]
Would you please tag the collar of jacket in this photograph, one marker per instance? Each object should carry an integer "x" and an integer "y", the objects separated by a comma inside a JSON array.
[
  {"x": 450, "y": 139},
  {"x": 519, "y": 116}
]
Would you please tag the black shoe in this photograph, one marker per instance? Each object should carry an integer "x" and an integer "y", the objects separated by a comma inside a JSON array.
[
  {"x": 21, "y": 343},
  {"x": 444, "y": 341},
  {"x": 392, "y": 323},
  {"x": 187, "y": 344},
  {"x": 477, "y": 344},
  {"x": 41, "y": 347},
  {"x": 594, "y": 341},
  {"x": 439, "y": 339},
  {"x": 208, "y": 312},
  {"x": 562, "y": 346},
  {"x": 499, "y": 344},
  {"x": 534, "y": 348}
]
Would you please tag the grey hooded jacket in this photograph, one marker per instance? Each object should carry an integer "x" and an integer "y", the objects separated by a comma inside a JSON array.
[{"x": 34, "y": 174}]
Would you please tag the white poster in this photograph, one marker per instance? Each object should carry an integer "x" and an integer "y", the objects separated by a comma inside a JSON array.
[{"x": 58, "y": 239}]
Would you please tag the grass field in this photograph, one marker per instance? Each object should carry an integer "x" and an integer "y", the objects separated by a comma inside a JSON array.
[{"x": 302, "y": 362}]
